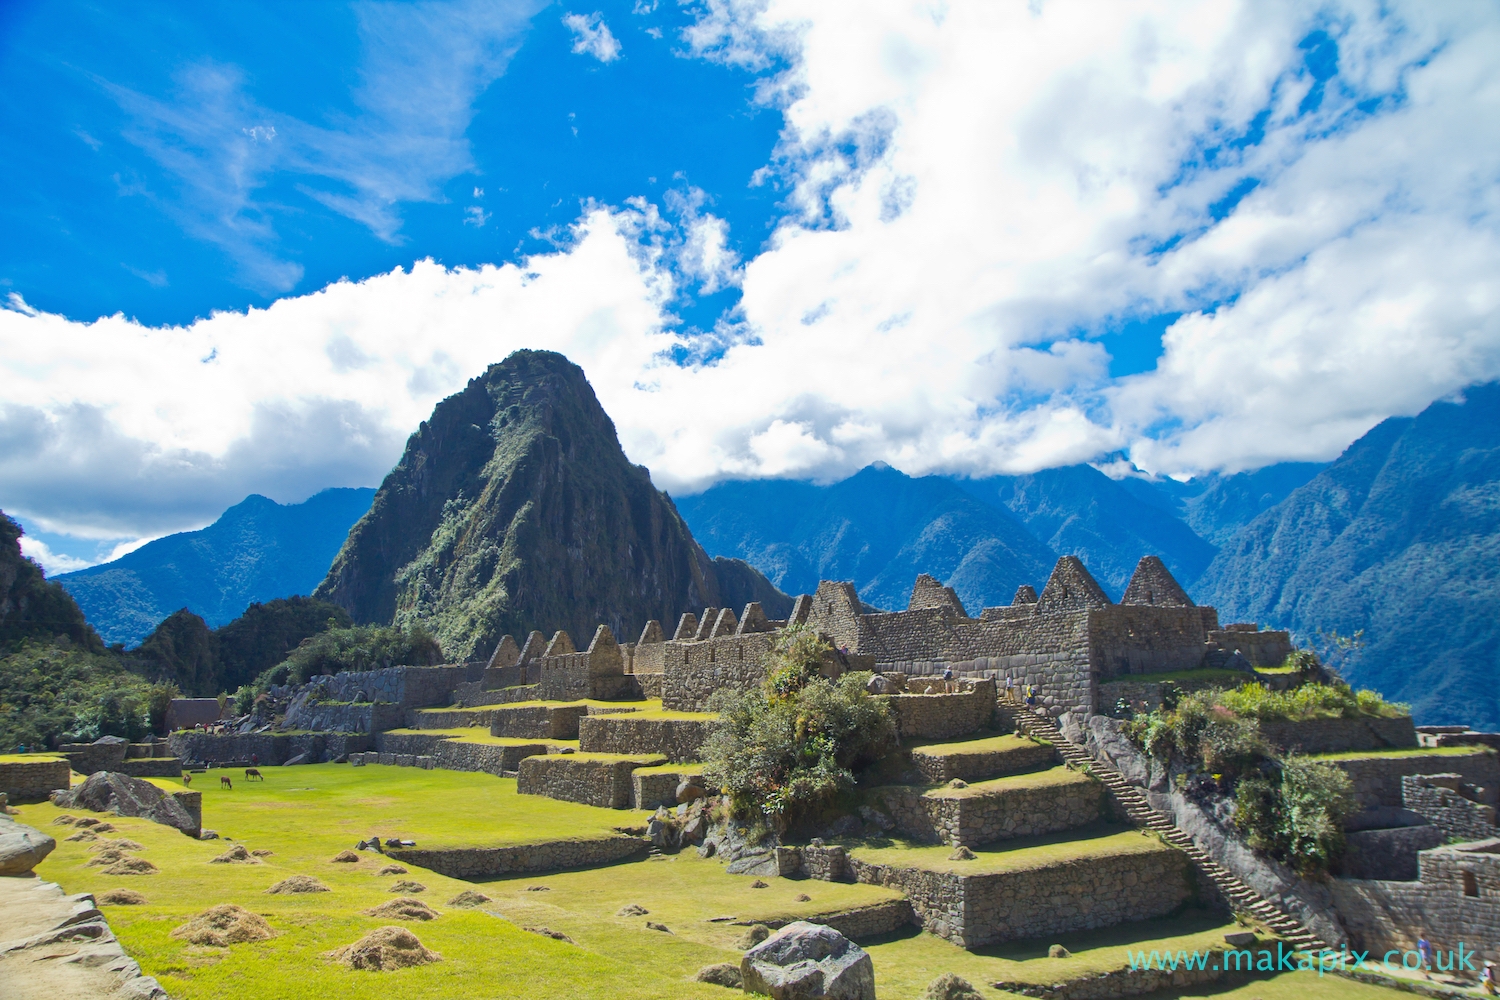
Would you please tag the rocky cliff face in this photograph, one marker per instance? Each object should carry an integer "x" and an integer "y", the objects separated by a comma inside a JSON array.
[{"x": 514, "y": 508}]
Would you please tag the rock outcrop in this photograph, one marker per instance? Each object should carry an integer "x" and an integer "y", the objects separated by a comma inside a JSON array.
[
  {"x": 108, "y": 791},
  {"x": 514, "y": 508},
  {"x": 805, "y": 961},
  {"x": 21, "y": 847}
]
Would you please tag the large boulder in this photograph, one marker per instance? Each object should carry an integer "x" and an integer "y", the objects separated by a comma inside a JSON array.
[
  {"x": 21, "y": 847},
  {"x": 804, "y": 961},
  {"x": 109, "y": 791}
]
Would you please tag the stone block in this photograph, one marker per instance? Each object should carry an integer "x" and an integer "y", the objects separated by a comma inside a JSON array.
[
  {"x": 942, "y": 763},
  {"x": 34, "y": 780},
  {"x": 538, "y": 722},
  {"x": 678, "y": 740},
  {"x": 595, "y": 780}
]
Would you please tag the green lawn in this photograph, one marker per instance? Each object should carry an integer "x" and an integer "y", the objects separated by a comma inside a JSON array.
[
  {"x": 977, "y": 743},
  {"x": 305, "y": 815},
  {"x": 671, "y": 769},
  {"x": 29, "y": 758},
  {"x": 1015, "y": 855},
  {"x": 481, "y": 734},
  {"x": 1053, "y": 777},
  {"x": 1407, "y": 752},
  {"x": 1200, "y": 677}
]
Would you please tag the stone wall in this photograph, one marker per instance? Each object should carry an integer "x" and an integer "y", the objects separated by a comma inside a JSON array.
[
  {"x": 477, "y": 863},
  {"x": 977, "y": 910},
  {"x": 1389, "y": 854},
  {"x": 152, "y": 767},
  {"x": 1377, "y": 778},
  {"x": 88, "y": 758},
  {"x": 1268, "y": 648},
  {"x": 983, "y": 814},
  {"x": 679, "y": 739},
  {"x": 594, "y": 781},
  {"x": 944, "y": 716},
  {"x": 538, "y": 722},
  {"x": 1121, "y": 982},
  {"x": 192, "y": 802},
  {"x": 952, "y": 762},
  {"x": 449, "y": 718},
  {"x": 343, "y": 717},
  {"x": 1129, "y": 639},
  {"x": 1457, "y": 899},
  {"x": 32, "y": 780},
  {"x": 405, "y": 687},
  {"x": 1441, "y": 800},
  {"x": 1142, "y": 689},
  {"x": 859, "y": 923},
  {"x": 457, "y": 755},
  {"x": 693, "y": 670},
  {"x": 650, "y": 789},
  {"x": 271, "y": 749},
  {"x": 1338, "y": 735}
]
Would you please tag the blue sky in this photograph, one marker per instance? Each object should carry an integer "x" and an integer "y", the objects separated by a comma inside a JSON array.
[
  {"x": 143, "y": 190},
  {"x": 246, "y": 247}
]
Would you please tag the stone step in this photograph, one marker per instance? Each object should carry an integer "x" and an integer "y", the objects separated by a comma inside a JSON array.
[
  {"x": 981, "y": 759},
  {"x": 983, "y": 812},
  {"x": 1097, "y": 879},
  {"x": 677, "y": 735},
  {"x": 594, "y": 779}
]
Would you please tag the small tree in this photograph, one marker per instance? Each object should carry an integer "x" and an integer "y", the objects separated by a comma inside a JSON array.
[
  {"x": 1294, "y": 810},
  {"x": 158, "y": 700},
  {"x": 786, "y": 750}
]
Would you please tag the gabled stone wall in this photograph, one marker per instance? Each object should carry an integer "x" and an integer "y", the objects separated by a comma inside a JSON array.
[{"x": 693, "y": 670}]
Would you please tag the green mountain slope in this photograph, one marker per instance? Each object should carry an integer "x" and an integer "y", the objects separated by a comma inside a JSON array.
[
  {"x": 1400, "y": 538},
  {"x": 514, "y": 508}
]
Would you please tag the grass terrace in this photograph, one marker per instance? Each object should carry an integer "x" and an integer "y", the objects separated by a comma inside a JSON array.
[
  {"x": 1454, "y": 751},
  {"x": 1021, "y": 854},
  {"x": 481, "y": 735},
  {"x": 981, "y": 742},
  {"x": 1056, "y": 776},
  {"x": 29, "y": 758}
]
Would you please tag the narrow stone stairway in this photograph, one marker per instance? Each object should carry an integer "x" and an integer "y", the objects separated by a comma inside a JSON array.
[{"x": 1240, "y": 896}]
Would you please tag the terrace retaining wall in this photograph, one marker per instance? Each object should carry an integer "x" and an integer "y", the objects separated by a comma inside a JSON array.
[
  {"x": 475, "y": 863},
  {"x": 974, "y": 818},
  {"x": 603, "y": 783},
  {"x": 458, "y": 755},
  {"x": 1377, "y": 779},
  {"x": 944, "y": 716},
  {"x": 1338, "y": 735},
  {"x": 942, "y": 764},
  {"x": 679, "y": 739},
  {"x": 33, "y": 780}
]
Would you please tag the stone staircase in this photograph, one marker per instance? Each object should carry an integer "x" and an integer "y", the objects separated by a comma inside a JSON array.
[{"x": 1239, "y": 895}]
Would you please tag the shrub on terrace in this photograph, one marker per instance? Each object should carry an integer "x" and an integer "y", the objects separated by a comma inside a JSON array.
[
  {"x": 1308, "y": 701},
  {"x": 1294, "y": 810},
  {"x": 787, "y": 749}
]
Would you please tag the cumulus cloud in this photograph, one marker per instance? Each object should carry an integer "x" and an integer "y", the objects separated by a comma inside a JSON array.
[
  {"x": 977, "y": 196},
  {"x": 591, "y": 36}
]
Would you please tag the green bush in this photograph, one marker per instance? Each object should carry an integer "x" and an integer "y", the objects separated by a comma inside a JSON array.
[
  {"x": 786, "y": 750},
  {"x": 53, "y": 692},
  {"x": 1294, "y": 810},
  {"x": 1308, "y": 701},
  {"x": 363, "y": 647}
]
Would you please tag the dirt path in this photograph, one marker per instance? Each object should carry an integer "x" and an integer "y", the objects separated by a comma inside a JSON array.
[{"x": 59, "y": 947}]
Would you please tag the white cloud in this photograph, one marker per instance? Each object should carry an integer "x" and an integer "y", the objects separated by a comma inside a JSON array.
[
  {"x": 476, "y": 216},
  {"x": 422, "y": 65},
  {"x": 591, "y": 36},
  {"x": 978, "y": 192},
  {"x": 52, "y": 562}
]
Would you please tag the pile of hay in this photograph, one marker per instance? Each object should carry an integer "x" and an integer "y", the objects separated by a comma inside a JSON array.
[
  {"x": 122, "y": 897},
  {"x": 131, "y": 866},
  {"x": 346, "y": 857},
  {"x": 65, "y": 820},
  {"x": 406, "y": 885},
  {"x": 469, "y": 898},
  {"x": 404, "y": 908},
  {"x": 549, "y": 932},
  {"x": 84, "y": 835},
  {"x": 108, "y": 856},
  {"x": 236, "y": 855},
  {"x": 262, "y": 853},
  {"x": 633, "y": 910},
  {"x": 296, "y": 884},
  {"x": 385, "y": 948},
  {"x": 123, "y": 844},
  {"x": 223, "y": 925},
  {"x": 392, "y": 870}
]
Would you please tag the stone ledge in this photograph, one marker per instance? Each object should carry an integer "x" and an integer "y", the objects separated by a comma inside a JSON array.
[
  {"x": 533, "y": 722},
  {"x": 942, "y": 763},
  {"x": 856, "y": 923},
  {"x": 679, "y": 739},
  {"x": 491, "y": 862},
  {"x": 1001, "y": 809},
  {"x": 594, "y": 780}
]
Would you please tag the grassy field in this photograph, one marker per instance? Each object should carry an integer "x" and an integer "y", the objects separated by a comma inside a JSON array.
[
  {"x": 1052, "y": 777},
  {"x": 1407, "y": 752},
  {"x": 306, "y": 815},
  {"x": 978, "y": 743},
  {"x": 481, "y": 734},
  {"x": 28, "y": 758}
]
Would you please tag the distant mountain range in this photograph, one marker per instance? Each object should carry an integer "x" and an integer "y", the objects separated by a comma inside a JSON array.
[
  {"x": 258, "y": 550},
  {"x": 514, "y": 508}
]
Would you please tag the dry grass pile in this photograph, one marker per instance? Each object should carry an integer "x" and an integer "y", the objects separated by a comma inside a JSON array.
[
  {"x": 108, "y": 856},
  {"x": 87, "y": 821},
  {"x": 123, "y": 844},
  {"x": 633, "y": 910},
  {"x": 223, "y": 925},
  {"x": 131, "y": 866},
  {"x": 262, "y": 853},
  {"x": 236, "y": 855},
  {"x": 406, "y": 885},
  {"x": 469, "y": 898},
  {"x": 65, "y": 820},
  {"x": 392, "y": 870},
  {"x": 404, "y": 908},
  {"x": 549, "y": 932},
  {"x": 84, "y": 835},
  {"x": 297, "y": 884},
  {"x": 385, "y": 948},
  {"x": 346, "y": 857},
  {"x": 122, "y": 897}
]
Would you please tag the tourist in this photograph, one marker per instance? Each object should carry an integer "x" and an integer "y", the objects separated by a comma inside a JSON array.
[
  {"x": 948, "y": 679},
  {"x": 1487, "y": 978},
  {"x": 1424, "y": 949}
]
